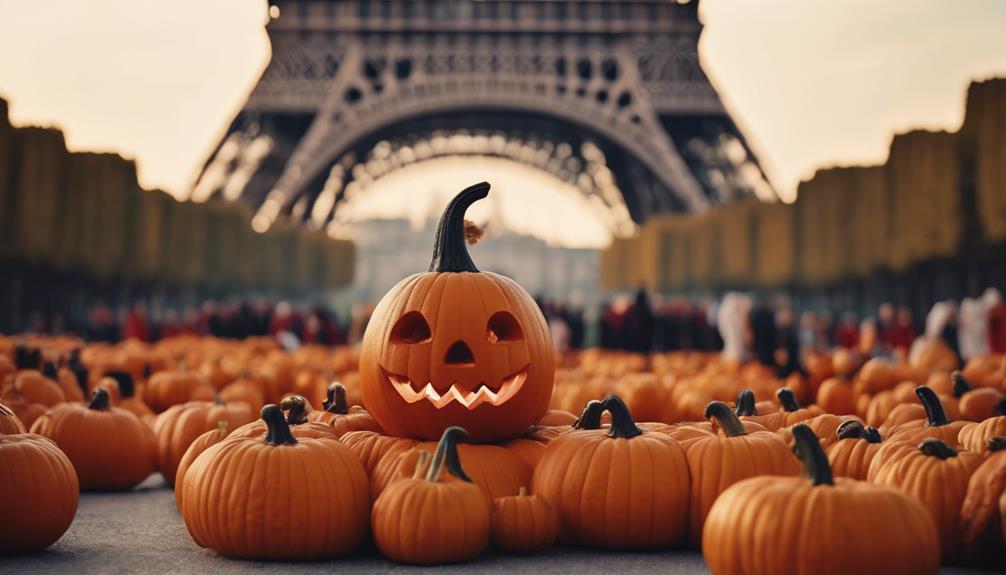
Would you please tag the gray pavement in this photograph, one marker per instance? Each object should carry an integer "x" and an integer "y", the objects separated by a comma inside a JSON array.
[{"x": 142, "y": 532}]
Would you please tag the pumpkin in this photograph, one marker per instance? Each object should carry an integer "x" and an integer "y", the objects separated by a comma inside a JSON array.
[
  {"x": 181, "y": 424},
  {"x": 850, "y": 456},
  {"x": 817, "y": 524},
  {"x": 246, "y": 391},
  {"x": 495, "y": 470},
  {"x": 427, "y": 521},
  {"x": 371, "y": 447},
  {"x": 110, "y": 448},
  {"x": 27, "y": 412},
  {"x": 68, "y": 382},
  {"x": 9, "y": 423},
  {"x": 39, "y": 496},
  {"x": 287, "y": 497},
  {"x": 975, "y": 436},
  {"x": 825, "y": 426},
  {"x": 121, "y": 389},
  {"x": 523, "y": 523},
  {"x": 37, "y": 388},
  {"x": 717, "y": 462},
  {"x": 296, "y": 408},
  {"x": 342, "y": 418},
  {"x": 195, "y": 449},
  {"x": 456, "y": 346},
  {"x": 836, "y": 396},
  {"x": 936, "y": 424},
  {"x": 557, "y": 417},
  {"x": 609, "y": 485},
  {"x": 981, "y": 516},
  {"x": 977, "y": 404},
  {"x": 937, "y": 475},
  {"x": 167, "y": 388},
  {"x": 790, "y": 413}
]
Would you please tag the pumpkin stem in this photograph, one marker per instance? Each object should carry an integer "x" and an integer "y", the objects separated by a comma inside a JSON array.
[
  {"x": 421, "y": 462},
  {"x": 295, "y": 407},
  {"x": 854, "y": 428},
  {"x": 807, "y": 448},
  {"x": 449, "y": 251},
  {"x": 745, "y": 403},
  {"x": 81, "y": 373},
  {"x": 590, "y": 417},
  {"x": 787, "y": 399},
  {"x": 997, "y": 443},
  {"x": 49, "y": 370},
  {"x": 622, "y": 424},
  {"x": 935, "y": 448},
  {"x": 726, "y": 418},
  {"x": 1001, "y": 405},
  {"x": 447, "y": 455},
  {"x": 935, "y": 415},
  {"x": 99, "y": 400},
  {"x": 27, "y": 357},
  {"x": 961, "y": 385},
  {"x": 335, "y": 401},
  {"x": 278, "y": 429},
  {"x": 125, "y": 381}
]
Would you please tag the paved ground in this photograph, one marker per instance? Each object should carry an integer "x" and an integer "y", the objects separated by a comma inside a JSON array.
[{"x": 142, "y": 532}]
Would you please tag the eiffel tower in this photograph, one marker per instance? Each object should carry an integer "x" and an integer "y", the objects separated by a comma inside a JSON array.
[{"x": 608, "y": 96}]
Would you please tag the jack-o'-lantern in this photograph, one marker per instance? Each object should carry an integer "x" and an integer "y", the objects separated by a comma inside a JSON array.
[{"x": 457, "y": 347}]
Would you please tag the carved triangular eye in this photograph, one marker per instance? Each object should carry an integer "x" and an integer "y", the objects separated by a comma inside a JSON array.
[
  {"x": 503, "y": 326},
  {"x": 410, "y": 329}
]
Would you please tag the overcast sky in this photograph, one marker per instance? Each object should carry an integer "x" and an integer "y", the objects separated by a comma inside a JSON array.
[{"x": 812, "y": 82}]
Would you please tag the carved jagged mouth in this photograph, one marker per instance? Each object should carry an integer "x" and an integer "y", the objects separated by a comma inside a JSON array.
[{"x": 412, "y": 392}]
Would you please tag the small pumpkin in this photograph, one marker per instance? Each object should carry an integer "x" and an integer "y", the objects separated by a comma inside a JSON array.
[
  {"x": 523, "y": 523},
  {"x": 110, "y": 448},
  {"x": 607, "y": 485},
  {"x": 181, "y": 424},
  {"x": 121, "y": 388},
  {"x": 789, "y": 525},
  {"x": 68, "y": 381},
  {"x": 557, "y": 417},
  {"x": 173, "y": 387},
  {"x": 977, "y": 404},
  {"x": 936, "y": 424},
  {"x": 371, "y": 447},
  {"x": 196, "y": 448},
  {"x": 850, "y": 456},
  {"x": 981, "y": 516},
  {"x": 717, "y": 462},
  {"x": 975, "y": 436},
  {"x": 37, "y": 388},
  {"x": 456, "y": 346},
  {"x": 342, "y": 418},
  {"x": 937, "y": 475},
  {"x": 836, "y": 395},
  {"x": 425, "y": 520},
  {"x": 9, "y": 423},
  {"x": 39, "y": 496},
  {"x": 320, "y": 480}
]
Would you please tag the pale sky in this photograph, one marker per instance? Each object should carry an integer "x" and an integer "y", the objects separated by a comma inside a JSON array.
[{"x": 811, "y": 82}]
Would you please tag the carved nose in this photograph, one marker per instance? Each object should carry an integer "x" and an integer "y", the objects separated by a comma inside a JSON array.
[{"x": 459, "y": 354}]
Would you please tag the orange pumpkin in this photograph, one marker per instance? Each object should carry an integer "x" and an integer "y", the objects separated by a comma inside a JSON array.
[
  {"x": 167, "y": 388},
  {"x": 39, "y": 495},
  {"x": 371, "y": 447},
  {"x": 789, "y": 525},
  {"x": 110, "y": 448},
  {"x": 836, "y": 396},
  {"x": 121, "y": 389},
  {"x": 456, "y": 346},
  {"x": 296, "y": 408},
  {"x": 557, "y": 417},
  {"x": 790, "y": 412},
  {"x": 607, "y": 485},
  {"x": 37, "y": 388},
  {"x": 850, "y": 456},
  {"x": 975, "y": 436},
  {"x": 982, "y": 514},
  {"x": 340, "y": 416},
  {"x": 196, "y": 448},
  {"x": 428, "y": 521},
  {"x": 523, "y": 523},
  {"x": 287, "y": 497},
  {"x": 717, "y": 462},
  {"x": 181, "y": 424},
  {"x": 977, "y": 404},
  {"x": 937, "y": 475},
  {"x": 9, "y": 423},
  {"x": 936, "y": 424}
]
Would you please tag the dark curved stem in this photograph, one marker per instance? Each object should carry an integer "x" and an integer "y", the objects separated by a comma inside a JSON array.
[
  {"x": 961, "y": 385},
  {"x": 590, "y": 417},
  {"x": 99, "y": 400},
  {"x": 82, "y": 375},
  {"x": 935, "y": 448},
  {"x": 278, "y": 429},
  {"x": 732, "y": 427},
  {"x": 622, "y": 424},
  {"x": 335, "y": 400},
  {"x": 787, "y": 399},
  {"x": 447, "y": 455},
  {"x": 807, "y": 448},
  {"x": 295, "y": 407},
  {"x": 27, "y": 357},
  {"x": 49, "y": 370},
  {"x": 1001, "y": 405},
  {"x": 125, "y": 381},
  {"x": 745, "y": 403},
  {"x": 855, "y": 429},
  {"x": 997, "y": 443},
  {"x": 450, "y": 254},
  {"x": 935, "y": 415}
]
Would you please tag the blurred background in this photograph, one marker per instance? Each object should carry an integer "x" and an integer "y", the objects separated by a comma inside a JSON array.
[{"x": 245, "y": 167}]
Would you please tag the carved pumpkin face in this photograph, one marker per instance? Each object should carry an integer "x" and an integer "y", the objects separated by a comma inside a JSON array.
[{"x": 456, "y": 346}]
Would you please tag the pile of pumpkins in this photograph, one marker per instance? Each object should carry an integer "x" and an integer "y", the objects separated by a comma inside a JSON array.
[{"x": 469, "y": 438}]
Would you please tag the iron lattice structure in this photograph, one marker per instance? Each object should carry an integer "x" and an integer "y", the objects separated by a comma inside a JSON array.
[{"x": 607, "y": 96}]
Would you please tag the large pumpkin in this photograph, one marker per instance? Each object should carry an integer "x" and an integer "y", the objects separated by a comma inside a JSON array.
[{"x": 457, "y": 347}]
